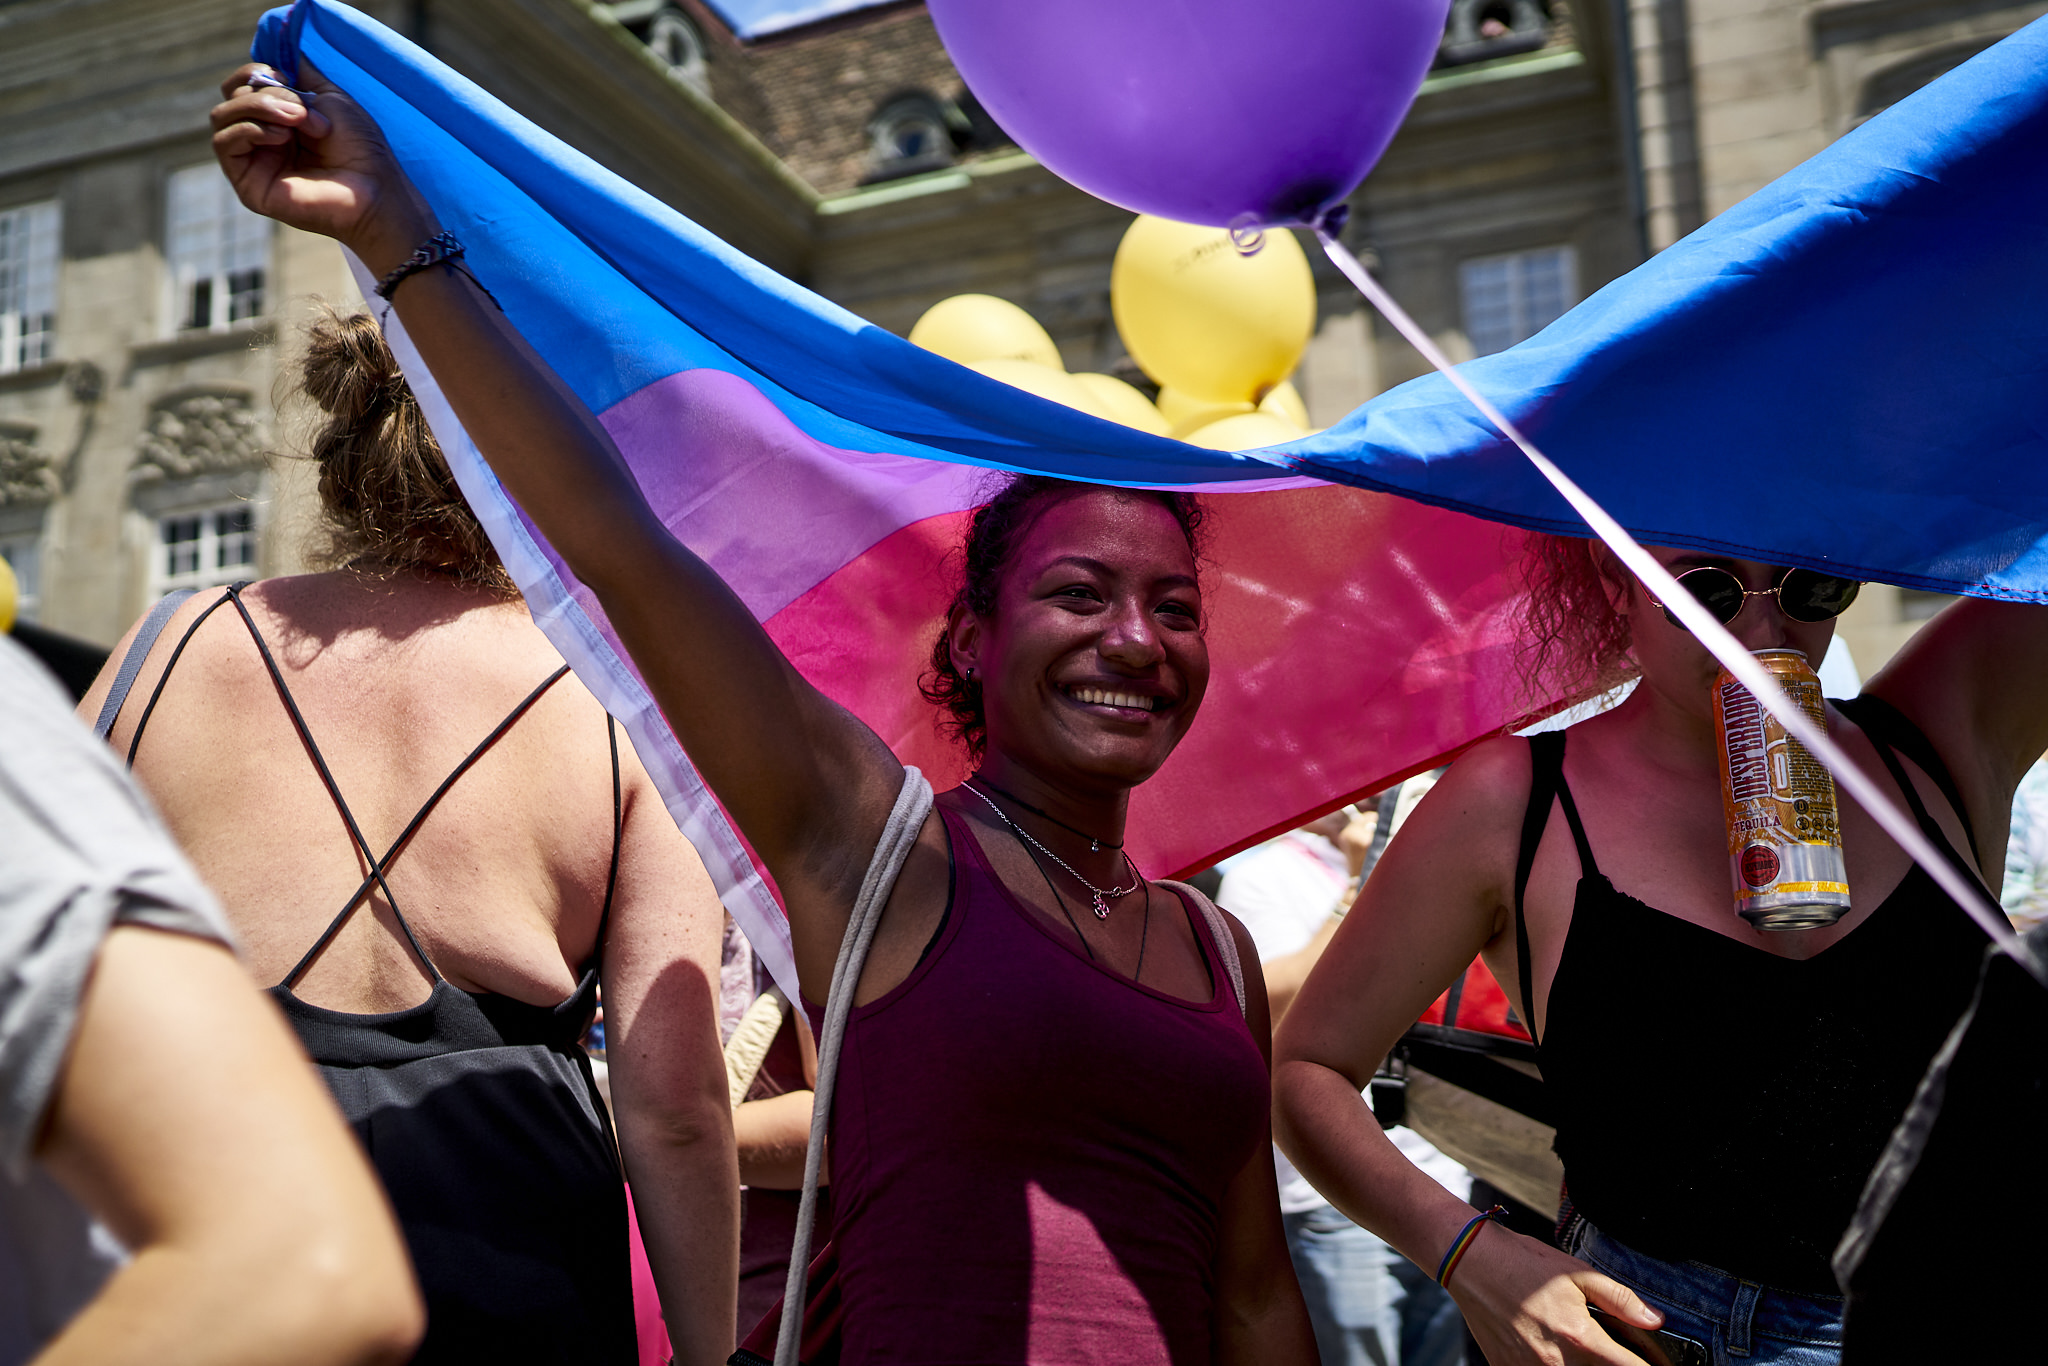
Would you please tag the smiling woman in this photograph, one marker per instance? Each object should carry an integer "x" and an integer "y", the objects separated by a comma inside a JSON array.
[
  {"x": 992, "y": 540},
  {"x": 1050, "y": 1138}
]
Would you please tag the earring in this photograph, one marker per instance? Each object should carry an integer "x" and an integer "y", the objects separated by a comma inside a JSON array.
[{"x": 969, "y": 675}]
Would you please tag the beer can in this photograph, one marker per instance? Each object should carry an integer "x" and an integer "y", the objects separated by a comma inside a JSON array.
[{"x": 1784, "y": 839}]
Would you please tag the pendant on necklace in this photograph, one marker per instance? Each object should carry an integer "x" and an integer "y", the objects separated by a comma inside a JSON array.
[
  {"x": 1101, "y": 907},
  {"x": 1093, "y": 845}
]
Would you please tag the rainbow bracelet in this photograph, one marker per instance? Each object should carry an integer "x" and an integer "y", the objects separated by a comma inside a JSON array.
[{"x": 1463, "y": 1243}]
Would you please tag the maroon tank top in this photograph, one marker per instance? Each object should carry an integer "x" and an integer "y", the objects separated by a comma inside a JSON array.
[{"x": 1030, "y": 1151}]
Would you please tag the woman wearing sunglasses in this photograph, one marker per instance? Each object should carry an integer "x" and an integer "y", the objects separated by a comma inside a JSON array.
[{"x": 1721, "y": 1092}]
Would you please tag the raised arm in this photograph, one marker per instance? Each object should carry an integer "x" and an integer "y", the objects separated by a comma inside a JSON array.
[
  {"x": 805, "y": 780},
  {"x": 1971, "y": 679},
  {"x": 1435, "y": 900}
]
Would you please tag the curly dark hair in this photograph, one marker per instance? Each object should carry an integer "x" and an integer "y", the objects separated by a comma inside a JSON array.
[
  {"x": 391, "y": 503},
  {"x": 999, "y": 525},
  {"x": 1575, "y": 644}
]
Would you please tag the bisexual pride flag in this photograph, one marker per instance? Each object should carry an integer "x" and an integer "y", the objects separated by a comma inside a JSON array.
[{"x": 1848, "y": 371}]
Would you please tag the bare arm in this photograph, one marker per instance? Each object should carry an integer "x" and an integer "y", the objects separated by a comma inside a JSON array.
[
  {"x": 189, "y": 1121},
  {"x": 1260, "y": 1317},
  {"x": 668, "y": 1077},
  {"x": 774, "y": 1133},
  {"x": 1971, "y": 680},
  {"x": 808, "y": 783},
  {"x": 1435, "y": 900}
]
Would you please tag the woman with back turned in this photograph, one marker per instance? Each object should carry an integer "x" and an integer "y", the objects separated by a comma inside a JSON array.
[{"x": 432, "y": 846}]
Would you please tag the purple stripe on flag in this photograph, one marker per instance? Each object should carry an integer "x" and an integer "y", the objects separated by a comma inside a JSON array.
[{"x": 774, "y": 511}]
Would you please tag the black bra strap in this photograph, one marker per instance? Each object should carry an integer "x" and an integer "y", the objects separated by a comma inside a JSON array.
[
  {"x": 348, "y": 817},
  {"x": 1546, "y": 771},
  {"x": 611, "y": 881},
  {"x": 378, "y": 867},
  {"x": 1933, "y": 767},
  {"x": 135, "y": 740},
  {"x": 1889, "y": 729},
  {"x": 1587, "y": 867}
]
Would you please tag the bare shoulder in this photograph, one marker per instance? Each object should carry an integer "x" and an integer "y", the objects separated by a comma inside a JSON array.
[
  {"x": 1459, "y": 842},
  {"x": 1247, "y": 948},
  {"x": 1484, "y": 790},
  {"x": 167, "y": 643}
]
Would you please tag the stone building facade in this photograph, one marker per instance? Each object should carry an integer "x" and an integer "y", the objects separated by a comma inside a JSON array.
[
  {"x": 149, "y": 324},
  {"x": 1555, "y": 144}
]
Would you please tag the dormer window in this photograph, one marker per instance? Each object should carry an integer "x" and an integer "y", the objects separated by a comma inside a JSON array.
[
  {"x": 670, "y": 35},
  {"x": 674, "y": 39},
  {"x": 912, "y": 133},
  {"x": 1481, "y": 29}
]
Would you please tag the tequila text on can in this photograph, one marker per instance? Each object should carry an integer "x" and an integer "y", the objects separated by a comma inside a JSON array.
[{"x": 1784, "y": 843}]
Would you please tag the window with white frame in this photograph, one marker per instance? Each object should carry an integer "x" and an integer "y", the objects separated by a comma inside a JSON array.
[
  {"x": 218, "y": 252},
  {"x": 1509, "y": 298},
  {"x": 24, "y": 555},
  {"x": 29, "y": 253},
  {"x": 205, "y": 548}
]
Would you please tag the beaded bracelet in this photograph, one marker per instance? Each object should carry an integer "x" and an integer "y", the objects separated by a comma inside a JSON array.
[
  {"x": 442, "y": 246},
  {"x": 1461, "y": 1244}
]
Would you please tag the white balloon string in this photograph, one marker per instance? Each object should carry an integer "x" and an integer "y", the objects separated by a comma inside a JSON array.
[{"x": 1710, "y": 633}]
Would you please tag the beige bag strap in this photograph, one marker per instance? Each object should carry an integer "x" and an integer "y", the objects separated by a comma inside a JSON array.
[
  {"x": 1219, "y": 930},
  {"x": 751, "y": 1039},
  {"x": 913, "y": 805}
]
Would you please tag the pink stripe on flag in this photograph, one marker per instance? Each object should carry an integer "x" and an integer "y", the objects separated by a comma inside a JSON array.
[{"x": 1355, "y": 638}]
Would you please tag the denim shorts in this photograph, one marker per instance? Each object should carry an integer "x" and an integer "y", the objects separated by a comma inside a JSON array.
[{"x": 1736, "y": 1320}]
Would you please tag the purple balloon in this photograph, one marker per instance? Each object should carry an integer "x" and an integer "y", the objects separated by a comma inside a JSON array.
[{"x": 1206, "y": 111}]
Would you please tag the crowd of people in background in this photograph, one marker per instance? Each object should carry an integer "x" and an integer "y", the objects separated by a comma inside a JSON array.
[{"x": 377, "y": 794}]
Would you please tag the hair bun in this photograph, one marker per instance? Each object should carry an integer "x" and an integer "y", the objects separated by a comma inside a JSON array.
[
  {"x": 391, "y": 502},
  {"x": 350, "y": 372}
]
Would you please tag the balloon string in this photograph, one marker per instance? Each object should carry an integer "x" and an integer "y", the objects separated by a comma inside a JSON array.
[{"x": 1717, "y": 638}]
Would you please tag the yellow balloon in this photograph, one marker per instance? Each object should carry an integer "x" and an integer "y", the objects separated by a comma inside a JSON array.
[
  {"x": 1284, "y": 401},
  {"x": 1245, "y": 432},
  {"x": 1184, "y": 414},
  {"x": 1206, "y": 321},
  {"x": 976, "y": 327},
  {"x": 10, "y": 596},
  {"x": 1042, "y": 380},
  {"x": 1122, "y": 403}
]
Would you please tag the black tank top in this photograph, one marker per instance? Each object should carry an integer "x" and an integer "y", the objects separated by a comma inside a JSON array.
[
  {"x": 1721, "y": 1104},
  {"x": 482, "y": 1119}
]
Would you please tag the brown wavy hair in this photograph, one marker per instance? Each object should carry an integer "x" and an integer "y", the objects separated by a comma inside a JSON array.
[
  {"x": 992, "y": 539},
  {"x": 1575, "y": 643},
  {"x": 391, "y": 504}
]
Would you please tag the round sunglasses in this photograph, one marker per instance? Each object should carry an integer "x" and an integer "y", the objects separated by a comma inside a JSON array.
[{"x": 1802, "y": 594}]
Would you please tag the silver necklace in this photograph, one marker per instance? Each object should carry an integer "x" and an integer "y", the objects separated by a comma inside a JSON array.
[{"x": 1103, "y": 896}]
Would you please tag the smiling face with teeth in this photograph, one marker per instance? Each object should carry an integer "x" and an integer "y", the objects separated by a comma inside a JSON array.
[{"x": 1093, "y": 662}]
